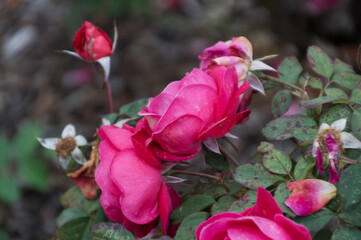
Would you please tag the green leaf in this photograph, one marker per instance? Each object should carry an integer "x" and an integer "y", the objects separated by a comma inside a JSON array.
[
  {"x": 336, "y": 92},
  {"x": 247, "y": 200},
  {"x": 315, "y": 221},
  {"x": 215, "y": 191},
  {"x": 24, "y": 143},
  {"x": 281, "y": 102},
  {"x": 346, "y": 233},
  {"x": 286, "y": 127},
  {"x": 340, "y": 66},
  {"x": 79, "y": 228},
  {"x": 187, "y": 229},
  {"x": 252, "y": 175},
  {"x": 352, "y": 215},
  {"x": 289, "y": 69},
  {"x": 193, "y": 204},
  {"x": 111, "y": 117},
  {"x": 132, "y": 109},
  {"x": 3, "y": 235},
  {"x": 34, "y": 173},
  {"x": 349, "y": 186},
  {"x": 336, "y": 112},
  {"x": 313, "y": 82},
  {"x": 304, "y": 167},
  {"x": 4, "y": 156},
  {"x": 347, "y": 79},
  {"x": 69, "y": 214},
  {"x": 319, "y": 61},
  {"x": 110, "y": 231},
  {"x": 356, "y": 122},
  {"x": 9, "y": 190},
  {"x": 323, "y": 234},
  {"x": 313, "y": 103},
  {"x": 216, "y": 161},
  {"x": 274, "y": 160},
  {"x": 74, "y": 198},
  {"x": 356, "y": 96},
  {"x": 222, "y": 205},
  {"x": 281, "y": 195},
  {"x": 305, "y": 134}
]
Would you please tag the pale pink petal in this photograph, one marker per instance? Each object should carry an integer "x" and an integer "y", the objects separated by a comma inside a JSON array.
[
  {"x": 309, "y": 195},
  {"x": 255, "y": 83},
  {"x": 69, "y": 131},
  {"x": 259, "y": 65},
  {"x": 349, "y": 141},
  {"x": 129, "y": 171},
  {"x": 212, "y": 145},
  {"x": 243, "y": 47},
  {"x": 339, "y": 124},
  {"x": 227, "y": 61}
]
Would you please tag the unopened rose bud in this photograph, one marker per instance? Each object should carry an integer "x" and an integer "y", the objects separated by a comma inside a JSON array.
[{"x": 92, "y": 43}]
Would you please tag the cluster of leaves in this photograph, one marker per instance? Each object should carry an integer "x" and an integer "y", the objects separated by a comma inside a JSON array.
[{"x": 329, "y": 92}]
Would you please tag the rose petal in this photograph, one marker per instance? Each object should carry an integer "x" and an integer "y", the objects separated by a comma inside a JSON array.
[
  {"x": 120, "y": 138},
  {"x": 332, "y": 145},
  {"x": 320, "y": 161},
  {"x": 296, "y": 231}
]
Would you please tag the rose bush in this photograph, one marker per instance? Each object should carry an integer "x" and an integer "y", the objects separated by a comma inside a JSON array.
[
  {"x": 265, "y": 220},
  {"x": 199, "y": 107},
  {"x": 133, "y": 191}
]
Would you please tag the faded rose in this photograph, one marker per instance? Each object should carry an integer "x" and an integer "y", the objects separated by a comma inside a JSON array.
[
  {"x": 263, "y": 221},
  {"x": 91, "y": 43},
  {"x": 133, "y": 191},
  {"x": 200, "y": 107}
]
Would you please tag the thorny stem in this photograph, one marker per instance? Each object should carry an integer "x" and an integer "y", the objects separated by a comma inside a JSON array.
[
  {"x": 109, "y": 93},
  {"x": 228, "y": 156},
  {"x": 197, "y": 174},
  {"x": 274, "y": 79}
]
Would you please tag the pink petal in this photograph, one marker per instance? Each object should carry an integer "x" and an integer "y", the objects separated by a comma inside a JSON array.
[
  {"x": 120, "y": 138},
  {"x": 180, "y": 137},
  {"x": 217, "y": 50},
  {"x": 162, "y": 154},
  {"x": 320, "y": 160},
  {"x": 140, "y": 184},
  {"x": 196, "y": 99},
  {"x": 309, "y": 195},
  {"x": 332, "y": 145},
  {"x": 168, "y": 201},
  {"x": 250, "y": 228},
  {"x": 222, "y": 127},
  {"x": 296, "y": 231},
  {"x": 197, "y": 76},
  {"x": 266, "y": 206},
  {"x": 334, "y": 177},
  {"x": 111, "y": 206}
]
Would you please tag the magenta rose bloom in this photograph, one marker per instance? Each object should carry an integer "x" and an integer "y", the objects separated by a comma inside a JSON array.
[
  {"x": 133, "y": 191},
  {"x": 199, "y": 107},
  {"x": 264, "y": 221},
  {"x": 92, "y": 43}
]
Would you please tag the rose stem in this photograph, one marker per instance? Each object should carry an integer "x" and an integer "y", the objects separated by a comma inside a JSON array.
[
  {"x": 197, "y": 174},
  {"x": 109, "y": 93},
  {"x": 228, "y": 156}
]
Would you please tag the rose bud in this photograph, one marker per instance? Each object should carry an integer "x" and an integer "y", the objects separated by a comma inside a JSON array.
[{"x": 309, "y": 195}]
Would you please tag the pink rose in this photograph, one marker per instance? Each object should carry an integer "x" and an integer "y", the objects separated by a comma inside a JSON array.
[
  {"x": 199, "y": 107},
  {"x": 133, "y": 191},
  {"x": 263, "y": 221},
  {"x": 309, "y": 195},
  {"x": 91, "y": 43}
]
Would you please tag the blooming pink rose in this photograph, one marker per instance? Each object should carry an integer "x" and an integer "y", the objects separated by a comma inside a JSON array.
[
  {"x": 199, "y": 107},
  {"x": 236, "y": 52},
  {"x": 309, "y": 195},
  {"x": 264, "y": 221},
  {"x": 91, "y": 43},
  {"x": 133, "y": 191}
]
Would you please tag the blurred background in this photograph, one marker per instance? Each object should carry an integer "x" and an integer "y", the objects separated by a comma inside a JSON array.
[{"x": 159, "y": 41}]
